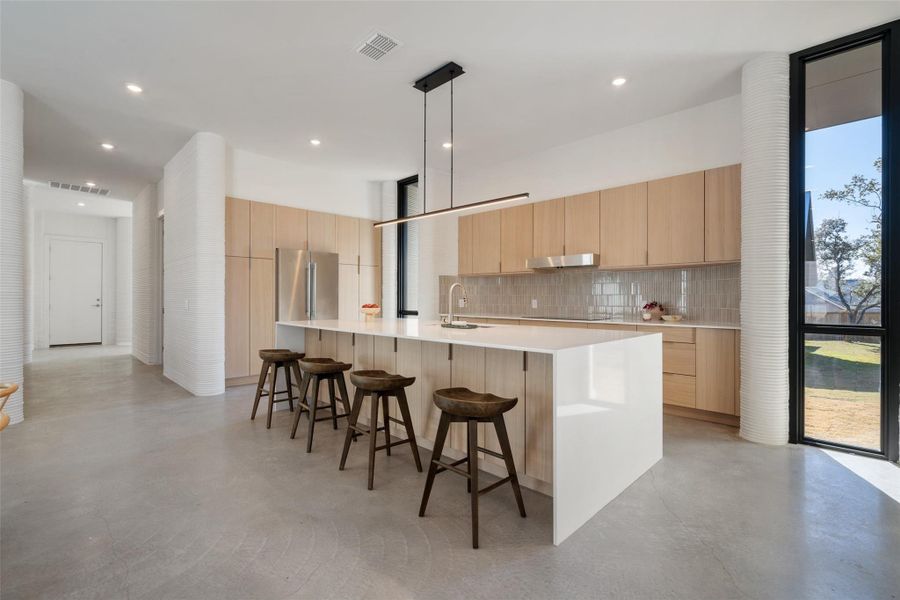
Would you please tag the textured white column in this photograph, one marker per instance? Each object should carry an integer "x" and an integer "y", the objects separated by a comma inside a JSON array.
[
  {"x": 764, "y": 250},
  {"x": 123, "y": 280},
  {"x": 194, "y": 181},
  {"x": 389, "y": 250},
  {"x": 12, "y": 224},
  {"x": 28, "y": 249},
  {"x": 145, "y": 310}
]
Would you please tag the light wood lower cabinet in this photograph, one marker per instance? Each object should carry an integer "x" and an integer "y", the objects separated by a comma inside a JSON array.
[
  {"x": 348, "y": 292},
  {"x": 538, "y": 417},
  {"x": 466, "y": 370},
  {"x": 237, "y": 316},
  {"x": 716, "y": 370},
  {"x": 679, "y": 358},
  {"x": 436, "y": 374},
  {"x": 737, "y": 373},
  {"x": 262, "y": 309},
  {"x": 613, "y": 326},
  {"x": 363, "y": 358},
  {"x": 504, "y": 375},
  {"x": 347, "y": 231},
  {"x": 680, "y": 390}
]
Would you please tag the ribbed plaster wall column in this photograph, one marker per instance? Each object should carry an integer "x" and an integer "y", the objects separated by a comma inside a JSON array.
[
  {"x": 145, "y": 309},
  {"x": 28, "y": 262},
  {"x": 194, "y": 180},
  {"x": 123, "y": 280},
  {"x": 12, "y": 225},
  {"x": 764, "y": 250},
  {"x": 389, "y": 250}
]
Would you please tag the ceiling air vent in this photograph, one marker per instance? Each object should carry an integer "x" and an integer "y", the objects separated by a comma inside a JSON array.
[
  {"x": 377, "y": 45},
  {"x": 74, "y": 187}
]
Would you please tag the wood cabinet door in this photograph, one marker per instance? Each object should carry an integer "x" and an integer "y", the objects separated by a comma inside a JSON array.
[
  {"x": 409, "y": 364},
  {"x": 583, "y": 223},
  {"x": 363, "y": 358},
  {"x": 679, "y": 358},
  {"x": 486, "y": 242},
  {"x": 262, "y": 309},
  {"x": 369, "y": 287},
  {"x": 623, "y": 226},
  {"x": 348, "y": 293},
  {"x": 549, "y": 228},
  {"x": 539, "y": 416},
  {"x": 723, "y": 213},
  {"x": 504, "y": 375},
  {"x": 436, "y": 374},
  {"x": 290, "y": 228},
  {"x": 466, "y": 370},
  {"x": 464, "y": 264},
  {"x": 262, "y": 230},
  {"x": 715, "y": 370},
  {"x": 737, "y": 373},
  {"x": 237, "y": 316},
  {"x": 347, "y": 229},
  {"x": 237, "y": 227},
  {"x": 516, "y": 237},
  {"x": 679, "y": 390},
  {"x": 675, "y": 220},
  {"x": 369, "y": 244},
  {"x": 322, "y": 231}
]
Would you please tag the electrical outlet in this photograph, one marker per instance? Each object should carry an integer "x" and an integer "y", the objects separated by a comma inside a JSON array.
[
  {"x": 460, "y": 303},
  {"x": 534, "y": 303}
]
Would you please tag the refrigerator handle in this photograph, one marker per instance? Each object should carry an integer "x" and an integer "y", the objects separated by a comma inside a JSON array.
[
  {"x": 308, "y": 288},
  {"x": 313, "y": 290}
]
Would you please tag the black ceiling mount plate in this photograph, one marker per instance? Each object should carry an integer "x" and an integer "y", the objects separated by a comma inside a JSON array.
[{"x": 438, "y": 77}]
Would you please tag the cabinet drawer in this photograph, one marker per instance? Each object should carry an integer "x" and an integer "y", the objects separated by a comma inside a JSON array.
[
  {"x": 679, "y": 358},
  {"x": 684, "y": 335},
  {"x": 680, "y": 390},
  {"x": 613, "y": 326}
]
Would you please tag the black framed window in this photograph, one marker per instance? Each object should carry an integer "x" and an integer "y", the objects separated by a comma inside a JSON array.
[
  {"x": 408, "y": 203},
  {"x": 845, "y": 257}
]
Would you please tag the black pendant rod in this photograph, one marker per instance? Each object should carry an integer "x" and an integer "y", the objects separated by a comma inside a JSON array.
[
  {"x": 424, "y": 147},
  {"x": 451, "y": 141}
]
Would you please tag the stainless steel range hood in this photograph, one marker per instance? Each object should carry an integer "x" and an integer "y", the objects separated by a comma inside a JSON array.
[{"x": 559, "y": 262}]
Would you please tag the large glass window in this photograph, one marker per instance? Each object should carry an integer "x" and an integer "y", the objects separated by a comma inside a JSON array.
[{"x": 408, "y": 203}]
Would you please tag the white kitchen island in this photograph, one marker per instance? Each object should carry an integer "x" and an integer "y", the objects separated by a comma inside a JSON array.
[{"x": 589, "y": 418}]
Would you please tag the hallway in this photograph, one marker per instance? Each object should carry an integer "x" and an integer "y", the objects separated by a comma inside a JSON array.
[{"x": 121, "y": 484}]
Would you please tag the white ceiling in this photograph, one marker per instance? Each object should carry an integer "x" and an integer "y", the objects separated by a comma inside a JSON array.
[
  {"x": 66, "y": 201},
  {"x": 270, "y": 76}
]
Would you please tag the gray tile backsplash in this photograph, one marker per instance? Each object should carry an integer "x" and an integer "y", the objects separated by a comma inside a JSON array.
[{"x": 708, "y": 293}]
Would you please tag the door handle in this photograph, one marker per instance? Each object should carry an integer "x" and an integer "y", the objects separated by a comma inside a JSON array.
[
  {"x": 97, "y": 305},
  {"x": 314, "y": 269},
  {"x": 308, "y": 288}
]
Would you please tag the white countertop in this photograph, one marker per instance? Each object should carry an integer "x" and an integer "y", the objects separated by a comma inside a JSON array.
[
  {"x": 527, "y": 338},
  {"x": 614, "y": 321}
]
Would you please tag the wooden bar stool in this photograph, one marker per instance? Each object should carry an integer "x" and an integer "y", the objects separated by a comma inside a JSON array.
[
  {"x": 274, "y": 359},
  {"x": 380, "y": 385},
  {"x": 461, "y": 405},
  {"x": 316, "y": 370}
]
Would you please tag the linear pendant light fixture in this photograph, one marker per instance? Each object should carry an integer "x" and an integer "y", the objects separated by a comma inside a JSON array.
[{"x": 433, "y": 80}]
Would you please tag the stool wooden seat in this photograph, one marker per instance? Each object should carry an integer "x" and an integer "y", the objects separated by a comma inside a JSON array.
[
  {"x": 315, "y": 370},
  {"x": 380, "y": 385},
  {"x": 274, "y": 359},
  {"x": 461, "y": 405}
]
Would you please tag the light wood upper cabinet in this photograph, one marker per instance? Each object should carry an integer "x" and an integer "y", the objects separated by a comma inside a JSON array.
[
  {"x": 237, "y": 316},
  {"x": 369, "y": 287},
  {"x": 583, "y": 223},
  {"x": 290, "y": 228},
  {"x": 623, "y": 226},
  {"x": 262, "y": 230},
  {"x": 348, "y": 293},
  {"x": 322, "y": 229},
  {"x": 369, "y": 244},
  {"x": 675, "y": 223},
  {"x": 237, "y": 227},
  {"x": 516, "y": 237},
  {"x": 486, "y": 242},
  {"x": 549, "y": 228},
  {"x": 262, "y": 309},
  {"x": 715, "y": 370},
  {"x": 464, "y": 264},
  {"x": 723, "y": 213},
  {"x": 347, "y": 240}
]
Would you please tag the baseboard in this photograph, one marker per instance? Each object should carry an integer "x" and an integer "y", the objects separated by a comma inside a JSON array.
[
  {"x": 235, "y": 381},
  {"x": 702, "y": 415}
]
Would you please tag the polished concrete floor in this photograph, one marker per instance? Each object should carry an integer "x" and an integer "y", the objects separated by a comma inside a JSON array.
[{"x": 121, "y": 485}]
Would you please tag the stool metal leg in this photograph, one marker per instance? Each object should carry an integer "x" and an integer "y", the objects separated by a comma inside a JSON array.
[
  {"x": 259, "y": 387},
  {"x": 351, "y": 433},
  {"x": 439, "y": 439},
  {"x": 473, "y": 476},
  {"x": 301, "y": 399},
  {"x": 373, "y": 436},
  {"x": 503, "y": 438},
  {"x": 272, "y": 395},
  {"x": 385, "y": 410},
  {"x": 313, "y": 406},
  {"x": 333, "y": 402},
  {"x": 407, "y": 422}
]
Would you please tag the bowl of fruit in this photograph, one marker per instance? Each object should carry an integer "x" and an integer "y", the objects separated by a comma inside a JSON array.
[{"x": 370, "y": 310}]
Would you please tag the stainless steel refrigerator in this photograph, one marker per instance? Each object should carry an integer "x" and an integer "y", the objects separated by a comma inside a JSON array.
[{"x": 306, "y": 285}]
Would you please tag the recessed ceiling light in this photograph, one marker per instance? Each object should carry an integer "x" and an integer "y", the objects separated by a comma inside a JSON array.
[
  {"x": 447, "y": 145},
  {"x": 315, "y": 142},
  {"x": 107, "y": 146},
  {"x": 619, "y": 81},
  {"x": 134, "y": 88},
  {"x": 81, "y": 204},
  {"x": 89, "y": 183}
]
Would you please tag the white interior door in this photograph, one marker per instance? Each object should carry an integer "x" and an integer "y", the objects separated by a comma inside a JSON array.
[{"x": 76, "y": 292}]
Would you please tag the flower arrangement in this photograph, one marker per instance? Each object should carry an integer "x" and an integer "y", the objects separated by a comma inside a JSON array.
[{"x": 652, "y": 310}]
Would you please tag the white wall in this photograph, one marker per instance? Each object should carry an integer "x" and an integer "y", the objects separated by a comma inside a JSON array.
[
  {"x": 256, "y": 177},
  {"x": 123, "y": 280},
  {"x": 194, "y": 256},
  {"x": 691, "y": 140},
  {"x": 51, "y": 224},
  {"x": 146, "y": 282}
]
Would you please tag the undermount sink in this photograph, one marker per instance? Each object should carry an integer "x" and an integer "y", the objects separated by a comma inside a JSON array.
[{"x": 466, "y": 326}]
